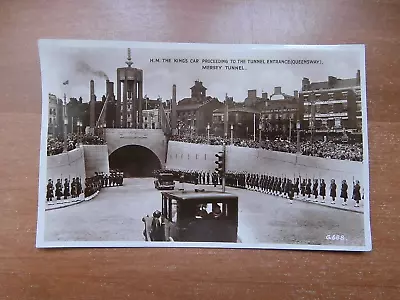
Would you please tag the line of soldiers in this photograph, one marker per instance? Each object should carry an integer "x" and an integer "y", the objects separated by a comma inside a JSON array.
[
  {"x": 278, "y": 186},
  {"x": 74, "y": 188},
  {"x": 307, "y": 188},
  {"x": 68, "y": 189},
  {"x": 102, "y": 180}
]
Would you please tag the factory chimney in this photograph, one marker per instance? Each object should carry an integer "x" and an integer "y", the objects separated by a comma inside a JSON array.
[
  {"x": 173, "y": 110},
  {"x": 92, "y": 105}
]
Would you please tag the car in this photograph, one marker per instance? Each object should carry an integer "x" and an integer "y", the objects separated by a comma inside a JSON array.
[
  {"x": 164, "y": 181},
  {"x": 194, "y": 216}
]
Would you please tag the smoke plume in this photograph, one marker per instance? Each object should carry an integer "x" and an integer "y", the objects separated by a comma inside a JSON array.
[{"x": 84, "y": 68}]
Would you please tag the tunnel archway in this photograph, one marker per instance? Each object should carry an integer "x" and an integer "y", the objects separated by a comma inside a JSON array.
[{"x": 134, "y": 161}]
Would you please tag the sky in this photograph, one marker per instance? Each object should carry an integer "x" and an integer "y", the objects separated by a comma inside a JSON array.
[{"x": 80, "y": 61}]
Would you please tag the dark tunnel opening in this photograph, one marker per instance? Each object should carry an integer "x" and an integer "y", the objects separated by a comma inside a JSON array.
[{"x": 134, "y": 161}]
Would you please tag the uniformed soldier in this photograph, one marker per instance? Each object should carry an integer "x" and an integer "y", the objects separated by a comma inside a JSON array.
[
  {"x": 297, "y": 187},
  {"x": 343, "y": 192},
  {"x": 290, "y": 190},
  {"x": 73, "y": 188},
  {"x": 357, "y": 193},
  {"x": 58, "y": 189},
  {"x": 315, "y": 190},
  {"x": 66, "y": 189},
  {"x": 208, "y": 177},
  {"x": 284, "y": 188},
  {"x": 333, "y": 191},
  {"x": 322, "y": 190},
  {"x": 50, "y": 189},
  {"x": 78, "y": 186},
  {"x": 303, "y": 188},
  {"x": 308, "y": 189}
]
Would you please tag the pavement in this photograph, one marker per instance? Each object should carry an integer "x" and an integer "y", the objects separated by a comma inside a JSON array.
[
  {"x": 116, "y": 215},
  {"x": 57, "y": 204}
]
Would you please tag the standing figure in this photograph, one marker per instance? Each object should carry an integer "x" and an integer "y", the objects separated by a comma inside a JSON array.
[
  {"x": 333, "y": 191},
  {"x": 322, "y": 190},
  {"x": 73, "y": 188},
  {"x": 208, "y": 177},
  {"x": 343, "y": 192},
  {"x": 303, "y": 188},
  {"x": 58, "y": 189},
  {"x": 315, "y": 190},
  {"x": 50, "y": 189},
  {"x": 308, "y": 189},
  {"x": 66, "y": 188},
  {"x": 357, "y": 193},
  {"x": 78, "y": 186},
  {"x": 290, "y": 190},
  {"x": 297, "y": 187}
]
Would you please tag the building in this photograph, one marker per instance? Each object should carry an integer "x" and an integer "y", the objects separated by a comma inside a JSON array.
[
  {"x": 194, "y": 113},
  {"x": 241, "y": 120},
  {"x": 332, "y": 105},
  {"x": 151, "y": 119},
  {"x": 252, "y": 100},
  {"x": 55, "y": 116},
  {"x": 280, "y": 114}
]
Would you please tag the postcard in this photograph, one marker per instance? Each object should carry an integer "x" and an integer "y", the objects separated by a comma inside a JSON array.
[{"x": 203, "y": 145}]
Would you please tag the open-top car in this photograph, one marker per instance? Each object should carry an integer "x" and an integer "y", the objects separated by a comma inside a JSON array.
[
  {"x": 164, "y": 181},
  {"x": 194, "y": 216}
]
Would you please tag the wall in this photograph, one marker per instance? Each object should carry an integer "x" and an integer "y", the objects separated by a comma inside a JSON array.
[
  {"x": 153, "y": 139},
  {"x": 186, "y": 156},
  {"x": 96, "y": 159},
  {"x": 66, "y": 165}
]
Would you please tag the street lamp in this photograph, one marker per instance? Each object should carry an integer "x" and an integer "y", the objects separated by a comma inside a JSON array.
[
  {"x": 259, "y": 131},
  {"x": 290, "y": 129},
  {"x": 208, "y": 133}
]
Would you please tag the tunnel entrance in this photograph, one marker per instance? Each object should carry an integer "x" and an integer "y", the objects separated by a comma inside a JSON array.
[{"x": 134, "y": 161}]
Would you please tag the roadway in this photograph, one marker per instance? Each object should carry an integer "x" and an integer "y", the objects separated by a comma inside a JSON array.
[{"x": 116, "y": 213}]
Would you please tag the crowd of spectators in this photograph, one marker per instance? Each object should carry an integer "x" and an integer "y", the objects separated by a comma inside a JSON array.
[
  {"x": 333, "y": 149},
  {"x": 55, "y": 145}
]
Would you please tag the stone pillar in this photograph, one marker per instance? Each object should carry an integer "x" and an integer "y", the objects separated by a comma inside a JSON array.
[
  {"x": 92, "y": 105},
  {"x": 133, "y": 88},
  {"x": 140, "y": 99},
  {"x": 118, "y": 106},
  {"x": 125, "y": 103}
]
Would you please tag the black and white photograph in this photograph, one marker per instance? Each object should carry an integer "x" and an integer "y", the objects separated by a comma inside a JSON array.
[{"x": 203, "y": 145}]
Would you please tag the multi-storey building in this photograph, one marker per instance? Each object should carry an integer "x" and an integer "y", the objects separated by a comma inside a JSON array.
[
  {"x": 194, "y": 113},
  {"x": 280, "y": 114},
  {"x": 332, "y": 105}
]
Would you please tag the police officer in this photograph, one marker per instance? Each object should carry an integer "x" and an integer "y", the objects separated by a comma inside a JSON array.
[{"x": 73, "y": 188}]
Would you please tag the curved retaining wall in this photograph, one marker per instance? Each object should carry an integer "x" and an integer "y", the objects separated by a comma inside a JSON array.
[
  {"x": 66, "y": 165},
  {"x": 96, "y": 159},
  {"x": 186, "y": 156}
]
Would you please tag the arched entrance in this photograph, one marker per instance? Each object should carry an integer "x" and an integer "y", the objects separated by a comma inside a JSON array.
[{"x": 134, "y": 161}]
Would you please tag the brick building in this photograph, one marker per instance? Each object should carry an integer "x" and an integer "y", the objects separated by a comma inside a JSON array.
[
  {"x": 332, "y": 105},
  {"x": 280, "y": 113},
  {"x": 194, "y": 113}
]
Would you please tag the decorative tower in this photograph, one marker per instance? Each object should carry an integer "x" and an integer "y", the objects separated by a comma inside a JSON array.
[{"x": 130, "y": 83}]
